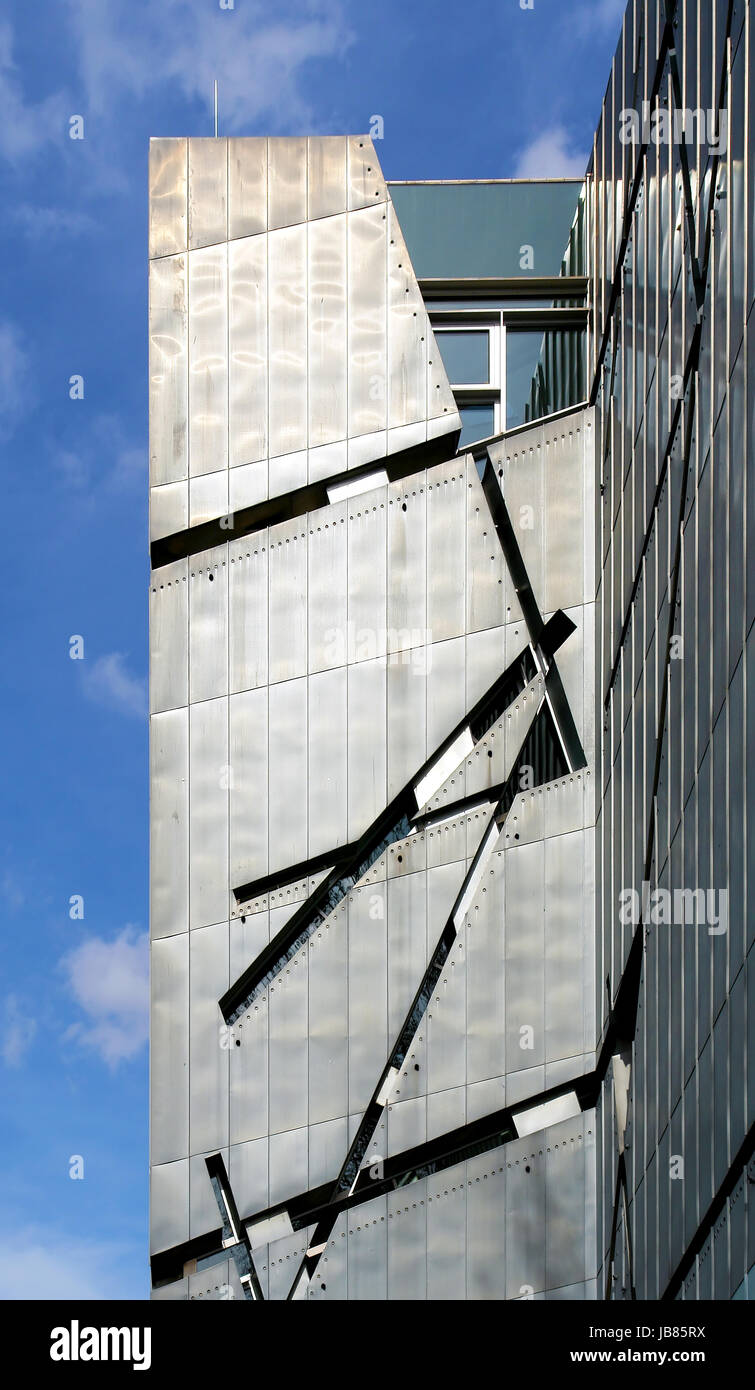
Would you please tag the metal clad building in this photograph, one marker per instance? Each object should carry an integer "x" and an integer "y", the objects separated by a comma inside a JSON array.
[
  {"x": 672, "y": 287},
  {"x": 439, "y": 475}
]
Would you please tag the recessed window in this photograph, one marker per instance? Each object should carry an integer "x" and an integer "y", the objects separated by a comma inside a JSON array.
[
  {"x": 522, "y": 358},
  {"x": 505, "y": 372},
  {"x": 477, "y": 422},
  {"x": 466, "y": 355}
]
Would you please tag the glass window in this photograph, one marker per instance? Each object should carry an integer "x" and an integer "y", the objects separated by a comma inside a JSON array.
[
  {"x": 477, "y": 422},
  {"x": 545, "y": 372},
  {"x": 466, "y": 355},
  {"x": 522, "y": 357}
]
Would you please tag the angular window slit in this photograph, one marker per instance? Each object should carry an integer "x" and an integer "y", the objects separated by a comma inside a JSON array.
[{"x": 394, "y": 823}]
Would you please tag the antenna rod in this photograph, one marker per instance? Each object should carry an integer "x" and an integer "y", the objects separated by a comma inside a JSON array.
[{"x": 215, "y": 84}]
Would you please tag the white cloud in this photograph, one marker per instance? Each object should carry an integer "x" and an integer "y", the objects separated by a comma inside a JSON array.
[
  {"x": 551, "y": 155},
  {"x": 106, "y": 681},
  {"x": 593, "y": 17},
  {"x": 25, "y": 127},
  {"x": 46, "y": 224},
  {"x": 82, "y": 470},
  {"x": 42, "y": 1264},
  {"x": 256, "y": 54},
  {"x": 16, "y": 393},
  {"x": 110, "y": 982},
  {"x": 18, "y": 1031}
]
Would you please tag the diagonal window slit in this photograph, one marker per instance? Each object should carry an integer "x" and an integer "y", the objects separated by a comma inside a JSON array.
[
  {"x": 396, "y": 822},
  {"x": 542, "y": 755},
  {"x": 234, "y": 1238}
]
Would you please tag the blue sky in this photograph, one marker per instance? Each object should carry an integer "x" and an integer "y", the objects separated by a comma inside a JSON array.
[{"x": 474, "y": 90}]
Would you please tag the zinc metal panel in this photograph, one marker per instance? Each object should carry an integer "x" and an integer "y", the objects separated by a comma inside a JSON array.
[
  {"x": 326, "y": 175},
  {"x": 208, "y": 191},
  {"x": 177, "y": 1292},
  {"x": 366, "y": 744},
  {"x": 446, "y": 551},
  {"x": 486, "y": 976},
  {"x": 287, "y": 773},
  {"x": 208, "y": 625},
  {"x": 289, "y": 1155},
  {"x": 287, "y": 340},
  {"x": 525, "y": 956},
  {"x": 208, "y": 1041},
  {"x": 407, "y": 338},
  {"x": 446, "y": 682},
  {"x": 250, "y": 932},
  {"x": 167, "y": 196},
  {"x": 407, "y": 1244},
  {"x": 327, "y": 588},
  {"x": 406, "y": 706},
  {"x": 406, "y": 1123},
  {"x": 446, "y": 1020},
  {"x": 447, "y": 1235},
  {"x": 485, "y": 660},
  {"x": 524, "y": 494},
  {"x": 367, "y": 576},
  {"x": 208, "y": 802},
  {"x": 247, "y": 359},
  {"x": 168, "y": 509},
  {"x": 169, "y": 1078},
  {"x": 367, "y": 321},
  {"x": 287, "y": 1062},
  {"x": 248, "y": 1064},
  {"x": 248, "y": 610},
  {"x": 247, "y": 186},
  {"x": 168, "y": 628},
  {"x": 208, "y": 497},
  {"x": 217, "y": 1284},
  {"x": 247, "y": 485},
  {"x": 330, "y": 1283},
  {"x": 571, "y": 668},
  {"x": 567, "y": 925},
  {"x": 287, "y": 630},
  {"x": 368, "y": 1020},
  {"x": 169, "y": 823},
  {"x": 446, "y": 1110},
  {"x": 248, "y": 742},
  {"x": 327, "y": 760},
  {"x": 327, "y": 1145},
  {"x": 247, "y": 1174},
  {"x": 168, "y": 370},
  {"x": 407, "y": 565},
  {"x": 203, "y": 1207},
  {"x": 406, "y": 913},
  {"x": 448, "y": 842},
  {"x": 486, "y": 1227},
  {"x": 486, "y": 586},
  {"x": 368, "y": 1252},
  {"x": 287, "y": 181},
  {"x": 328, "y": 1026},
  {"x": 366, "y": 183},
  {"x": 565, "y": 1204},
  {"x": 169, "y": 1204},
  {"x": 525, "y": 1246},
  {"x": 442, "y": 414},
  {"x": 208, "y": 359},
  {"x": 327, "y": 345},
  {"x": 285, "y": 1256},
  {"x": 563, "y": 463}
]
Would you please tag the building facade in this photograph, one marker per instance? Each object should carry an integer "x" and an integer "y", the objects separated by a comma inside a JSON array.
[{"x": 448, "y": 603}]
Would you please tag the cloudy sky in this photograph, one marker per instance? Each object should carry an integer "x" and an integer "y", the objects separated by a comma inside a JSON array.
[{"x": 465, "y": 90}]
